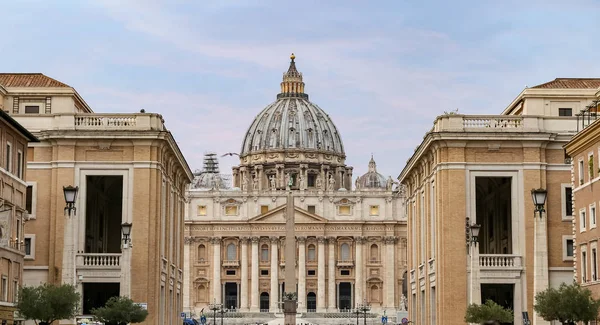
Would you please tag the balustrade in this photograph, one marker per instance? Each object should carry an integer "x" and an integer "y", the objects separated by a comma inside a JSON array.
[
  {"x": 99, "y": 260},
  {"x": 345, "y": 263},
  {"x": 105, "y": 121},
  {"x": 492, "y": 122},
  {"x": 499, "y": 261}
]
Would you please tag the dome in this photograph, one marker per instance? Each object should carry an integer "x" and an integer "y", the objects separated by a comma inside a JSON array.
[
  {"x": 292, "y": 122},
  {"x": 372, "y": 179}
]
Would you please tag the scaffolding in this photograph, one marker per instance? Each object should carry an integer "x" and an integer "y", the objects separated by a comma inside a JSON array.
[{"x": 210, "y": 177}]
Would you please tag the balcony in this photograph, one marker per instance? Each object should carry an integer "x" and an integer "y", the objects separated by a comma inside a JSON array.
[
  {"x": 98, "y": 261},
  {"x": 231, "y": 263},
  {"x": 499, "y": 261},
  {"x": 502, "y": 123},
  {"x": 95, "y": 121},
  {"x": 345, "y": 263}
]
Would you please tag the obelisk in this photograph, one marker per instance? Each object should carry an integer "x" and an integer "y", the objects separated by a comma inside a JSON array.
[{"x": 290, "y": 297}]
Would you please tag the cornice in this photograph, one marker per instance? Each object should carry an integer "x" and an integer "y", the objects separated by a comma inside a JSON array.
[{"x": 583, "y": 139}]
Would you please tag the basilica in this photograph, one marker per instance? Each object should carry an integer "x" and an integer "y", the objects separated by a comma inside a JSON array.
[{"x": 350, "y": 234}]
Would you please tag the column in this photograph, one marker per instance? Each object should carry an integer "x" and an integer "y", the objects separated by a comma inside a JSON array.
[
  {"x": 540, "y": 262},
  {"x": 331, "y": 292},
  {"x": 244, "y": 281},
  {"x": 474, "y": 286},
  {"x": 301, "y": 274},
  {"x": 216, "y": 241},
  {"x": 254, "y": 294},
  {"x": 274, "y": 296},
  {"x": 358, "y": 267},
  {"x": 186, "y": 274},
  {"x": 390, "y": 279},
  {"x": 321, "y": 275}
]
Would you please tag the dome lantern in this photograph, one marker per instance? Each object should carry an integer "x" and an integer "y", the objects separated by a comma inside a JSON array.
[{"x": 292, "y": 84}]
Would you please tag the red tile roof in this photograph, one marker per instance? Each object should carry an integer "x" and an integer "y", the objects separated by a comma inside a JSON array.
[
  {"x": 28, "y": 80},
  {"x": 571, "y": 83}
]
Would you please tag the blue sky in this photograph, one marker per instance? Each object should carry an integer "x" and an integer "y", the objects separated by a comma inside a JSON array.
[{"x": 383, "y": 70}]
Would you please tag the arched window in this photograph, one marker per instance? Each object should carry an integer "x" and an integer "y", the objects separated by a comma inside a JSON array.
[
  {"x": 312, "y": 256},
  {"x": 345, "y": 252},
  {"x": 201, "y": 253},
  {"x": 201, "y": 295},
  {"x": 374, "y": 252},
  {"x": 374, "y": 293},
  {"x": 231, "y": 253},
  {"x": 264, "y": 253}
]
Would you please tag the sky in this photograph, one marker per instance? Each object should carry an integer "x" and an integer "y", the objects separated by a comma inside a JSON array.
[{"x": 382, "y": 70}]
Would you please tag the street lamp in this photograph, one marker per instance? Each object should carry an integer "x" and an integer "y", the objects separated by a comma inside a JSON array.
[
  {"x": 472, "y": 232},
  {"x": 126, "y": 230},
  {"x": 70, "y": 198},
  {"x": 539, "y": 199},
  {"x": 357, "y": 312},
  {"x": 364, "y": 308},
  {"x": 216, "y": 307}
]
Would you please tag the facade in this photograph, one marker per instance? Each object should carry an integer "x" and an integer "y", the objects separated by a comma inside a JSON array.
[
  {"x": 479, "y": 170},
  {"x": 128, "y": 169},
  {"x": 584, "y": 152},
  {"x": 14, "y": 246},
  {"x": 350, "y": 242}
]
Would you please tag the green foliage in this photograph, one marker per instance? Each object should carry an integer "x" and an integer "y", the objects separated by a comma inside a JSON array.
[
  {"x": 48, "y": 302},
  {"x": 490, "y": 311},
  {"x": 120, "y": 310},
  {"x": 568, "y": 304}
]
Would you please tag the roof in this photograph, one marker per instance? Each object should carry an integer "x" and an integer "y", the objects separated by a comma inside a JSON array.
[
  {"x": 571, "y": 83},
  {"x": 18, "y": 126},
  {"x": 29, "y": 80}
]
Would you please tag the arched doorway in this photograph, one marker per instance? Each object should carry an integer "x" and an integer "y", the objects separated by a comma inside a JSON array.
[
  {"x": 311, "y": 302},
  {"x": 264, "y": 302}
]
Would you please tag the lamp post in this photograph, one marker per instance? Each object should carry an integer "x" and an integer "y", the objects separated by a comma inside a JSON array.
[
  {"x": 70, "y": 193},
  {"x": 126, "y": 230},
  {"x": 216, "y": 307},
  {"x": 364, "y": 308},
  {"x": 472, "y": 233},
  {"x": 357, "y": 312},
  {"x": 539, "y": 200}
]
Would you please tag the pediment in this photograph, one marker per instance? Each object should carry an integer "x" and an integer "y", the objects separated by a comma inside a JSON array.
[{"x": 277, "y": 215}]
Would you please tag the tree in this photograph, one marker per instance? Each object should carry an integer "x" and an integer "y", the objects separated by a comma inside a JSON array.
[
  {"x": 48, "y": 302},
  {"x": 121, "y": 311},
  {"x": 488, "y": 313},
  {"x": 568, "y": 304}
]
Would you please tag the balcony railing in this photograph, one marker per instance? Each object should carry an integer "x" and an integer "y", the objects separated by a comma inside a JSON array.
[
  {"x": 91, "y": 121},
  {"x": 231, "y": 263},
  {"x": 503, "y": 123},
  {"x": 99, "y": 260},
  {"x": 345, "y": 263},
  {"x": 499, "y": 261}
]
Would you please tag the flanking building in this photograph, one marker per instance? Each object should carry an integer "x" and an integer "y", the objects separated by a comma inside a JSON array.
[
  {"x": 351, "y": 240},
  {"x": 14, "y": 246},
  {"x": 472, "y": 226},
  {"x": 123, "y": 234},
  {"x": 584, "y": 150}
]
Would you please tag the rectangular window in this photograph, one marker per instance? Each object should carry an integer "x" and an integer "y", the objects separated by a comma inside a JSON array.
[
  {"x": 27, "y": 246},
  {"x": 32, "y": 109},
  {"x": 264, "y": 209},
  {"x": 582, "y": 220},
  {"x": 230, "y": 272},
  {"x": 594, "y": 267},
  {"x": 568, "y": 202},
  {"x": 312, "y": 272},
  {"x": 584, "y": 267},
  {"x": 591, "y": 166},
  {"x": 593, "y": 216},
  {"x": 15, "y": 290},
  {"x": 374, "y": 210},
  {"x": 20, "y": 164},
  {"x": 570, "y": 247},
  {"x": 201, "y": 210},
  {"x": 4, "y": 289},
  {"x": 565, "y": 112},
  {"x": 344, "y": 210},
  {"x": 264, "y": 272},
  {"x": 311, "y": 209},
  {"x": 29, "y": 198},
  {"x": 8, "y": 157},
  {"x": 231, "y": 210},
  {"x": 345, "y": 272},
  {"x": 580, "y": 171},
  {"x": 311, "y": 180}
]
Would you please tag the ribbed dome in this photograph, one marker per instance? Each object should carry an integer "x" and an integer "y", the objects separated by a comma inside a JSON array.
[
  {"x": 292, "y": 122},
  {"x": 372, "y": 179}
]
